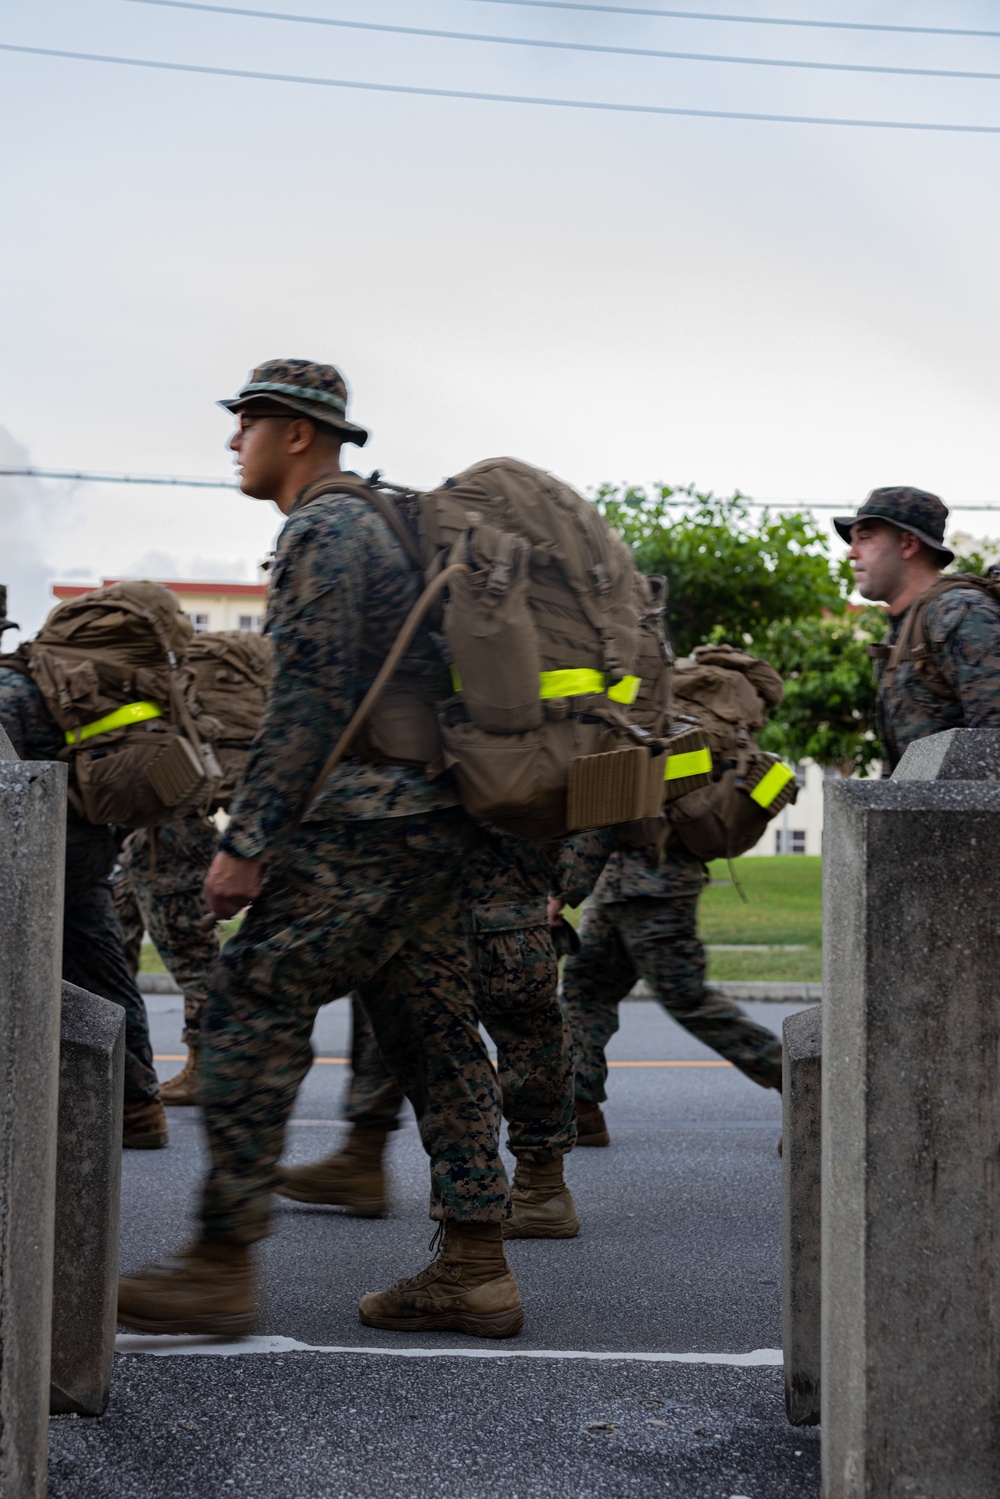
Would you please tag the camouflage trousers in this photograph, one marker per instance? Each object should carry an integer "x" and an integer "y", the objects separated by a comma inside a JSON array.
[
  {"x": 93, "y": 958},
  {"x": 173, "y": 919},
  {"x": 518, "y": 1002},
  {"x": 348, "y": 902},
  {"x": 655, "y": 939}
]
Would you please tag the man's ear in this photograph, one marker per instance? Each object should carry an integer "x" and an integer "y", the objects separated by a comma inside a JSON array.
[
  {"x": 300, "y": 434},
  {"x": 909, "y": 545}
]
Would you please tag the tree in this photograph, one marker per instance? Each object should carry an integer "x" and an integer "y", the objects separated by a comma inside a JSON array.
[
  {"x": 828, "y": 710},
  {"x": 730, "y": 573}
]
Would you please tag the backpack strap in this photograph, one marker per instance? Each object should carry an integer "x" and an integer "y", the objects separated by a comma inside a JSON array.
[
  {"x": 372, "y": 492},
  {"x": 912, "y": 643}
]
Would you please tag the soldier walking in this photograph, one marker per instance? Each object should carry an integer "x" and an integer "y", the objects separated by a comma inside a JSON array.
[
  {"x": 939, "y": 666},
  {"x": 363, "y": 894}
]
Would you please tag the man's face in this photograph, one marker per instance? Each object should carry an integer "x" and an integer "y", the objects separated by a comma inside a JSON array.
[
  {"x": 877, "y": 555},
  {"x": 260, "y": 444}
]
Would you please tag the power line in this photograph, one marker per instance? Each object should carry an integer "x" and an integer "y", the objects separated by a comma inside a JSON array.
[
  {"x": 491, "y": 98},
  {"x": 564, "y": 46},
  {"x": 709, "y": 15},
  {"x": 79, "y": 477},
  {"x": 181, "y": 482}
]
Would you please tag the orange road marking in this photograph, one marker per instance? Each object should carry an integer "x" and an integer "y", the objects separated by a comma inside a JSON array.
[{"x": 345, "y": 1061}]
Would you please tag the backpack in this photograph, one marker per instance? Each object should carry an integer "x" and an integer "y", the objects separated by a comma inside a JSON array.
[
  {"x": 912, "y": 644},
  {"x": 545, "y": 622},
  {"x": 106, "y": 666},
  {"x": 730, "y": 694},
  {"x": 231, "y": 671}
]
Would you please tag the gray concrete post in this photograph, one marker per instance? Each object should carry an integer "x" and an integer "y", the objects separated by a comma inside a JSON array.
[
  {"x": 88, "y": 1190},
  {"x": 910, "y": 1370},
  {"x": 32, "y": 840},
  {"x": 801, "y": 1191}
]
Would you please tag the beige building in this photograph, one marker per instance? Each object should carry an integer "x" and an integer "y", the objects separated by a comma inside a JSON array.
[
  {"x": 209, "y": 606},
  {"x": 799, "y": 829}
]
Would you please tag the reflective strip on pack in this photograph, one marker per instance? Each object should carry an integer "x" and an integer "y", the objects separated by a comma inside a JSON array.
[
  {"x": 626, "y": 691},
  {"x": 772, "y": 784},
  {"x": 131, "y": 713},
  {"x": 575, "y": 681},
  {"x": 692, "y": 763}
]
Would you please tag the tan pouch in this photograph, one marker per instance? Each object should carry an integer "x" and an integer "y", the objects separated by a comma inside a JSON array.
[
  {"x": 402, "y": 730},
  {"x": 138, "y": 777},
  {"x": 490, "y": 632}
]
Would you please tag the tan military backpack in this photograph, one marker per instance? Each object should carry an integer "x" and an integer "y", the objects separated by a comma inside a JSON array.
[
  {"x": 107, "y": 665},
  {"x": 232, "y": 672},
  {"x": 730, "y": 694},
  {"x": 546, "y": 624}
]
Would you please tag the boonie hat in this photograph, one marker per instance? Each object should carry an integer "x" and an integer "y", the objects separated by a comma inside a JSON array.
[
  {"x": 315, "y": 390},
  {"x": 914, "y": 510}
]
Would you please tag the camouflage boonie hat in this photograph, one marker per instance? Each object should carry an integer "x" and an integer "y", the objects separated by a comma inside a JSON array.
[
  {"x": 913, "y": 510},
  {"x": 315, "y": 390}
]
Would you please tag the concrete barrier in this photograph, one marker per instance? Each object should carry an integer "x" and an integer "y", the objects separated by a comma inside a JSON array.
[
  {"x": 32, "y": 840},
  {"x": 801, "y": 1198},
  {"x": 88, "y": 1182},
  {"x": 910, "y": 1370}
]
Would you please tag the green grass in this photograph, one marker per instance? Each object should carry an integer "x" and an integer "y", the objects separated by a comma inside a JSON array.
[
  {"x": 783, "y": 967},
  {"x": 784, "y": 902}
]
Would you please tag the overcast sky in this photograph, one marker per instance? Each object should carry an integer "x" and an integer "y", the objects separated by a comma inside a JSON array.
[{"x": 801, "y": 311}]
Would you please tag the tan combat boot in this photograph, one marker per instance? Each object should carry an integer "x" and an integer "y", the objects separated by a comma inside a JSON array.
[
  {"x": 469, "y": 1288},
  {"x": 352, "y": 1178},
  {"x": 144, "y": 1124},
  {"x": 590, "y": 1126},
  {"x": 209, "y": 1288},
  {"x": 183, "y": 1089},
  {"x": 542, "y": 1204}
]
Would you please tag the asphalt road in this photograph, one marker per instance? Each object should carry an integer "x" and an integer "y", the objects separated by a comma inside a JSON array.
[{"x": 679, "y": 1255}]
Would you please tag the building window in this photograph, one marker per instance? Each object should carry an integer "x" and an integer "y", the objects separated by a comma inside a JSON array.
[
  {"x": 250, "y": 622},
  {"x": 200, "y": 622},
  {"x": 796, "y": 841}
]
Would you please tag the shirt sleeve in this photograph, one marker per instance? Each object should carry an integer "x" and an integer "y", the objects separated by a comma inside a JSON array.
[
  {"x": 579, "y": 863},
  {"x": 22, "y": 714},
  {"x": 963, "y": 630},
  {"x": 314, "y": 622}
]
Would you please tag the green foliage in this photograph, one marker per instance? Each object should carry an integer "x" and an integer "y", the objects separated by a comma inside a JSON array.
[
  {"x": 828, "y": 711},
  {"x": 731, "y": 573}
]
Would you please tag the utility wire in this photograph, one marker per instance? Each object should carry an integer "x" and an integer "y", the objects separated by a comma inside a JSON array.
[
  {"x": 491, "y": 98},
  {"x": 563, "y": 46},
  {"x": 180, "y": 482},
  {"x": 709, "y": 15}
]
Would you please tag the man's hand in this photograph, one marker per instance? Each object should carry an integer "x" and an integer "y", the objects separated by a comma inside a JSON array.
[
  {"x": 554, "y": 910},
  {"x": 232, "y": 884}
]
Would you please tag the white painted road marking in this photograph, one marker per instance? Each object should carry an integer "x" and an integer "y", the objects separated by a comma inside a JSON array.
[{"x": 170, "y": 1346}]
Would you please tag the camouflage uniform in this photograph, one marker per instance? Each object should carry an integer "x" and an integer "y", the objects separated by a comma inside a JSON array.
[
  {"x": 368, "y": 884},
  {"x": 962, "y": 628},
  {"x": 93, "y": 955},
  {"x": 158, "y": 888},
  {"x": 507, "y": 884},
  {"x": 641, "y": 922},
  {"x": 963, "y": 633}
]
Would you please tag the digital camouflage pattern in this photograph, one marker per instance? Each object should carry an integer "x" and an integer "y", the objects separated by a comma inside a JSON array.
[
  {"x": 340, "y": 590},
  {"x": 315, "y": 390},
  {"x": 93, "y": 955},
  {"x": 346, "y": 901},
  {"x": 641, "y": 922},
  {"x": 963, "y": 634},
  {"x": 158, "y": 889},
  {"x": 516, "y": 970}
]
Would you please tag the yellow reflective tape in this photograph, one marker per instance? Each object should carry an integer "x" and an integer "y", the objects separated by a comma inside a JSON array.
[
  {"x": 692, "y": 763},
  {"x": 573, "y": 681},
  {"x": 456, "y": 680},
  {"x": 772, "y": 784},
  {"x": 626, "y": 691},
  {"x": 131, "y": 713}
]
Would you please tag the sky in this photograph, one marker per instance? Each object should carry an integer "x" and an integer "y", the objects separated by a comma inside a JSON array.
[{"x": 803, "y": 312}]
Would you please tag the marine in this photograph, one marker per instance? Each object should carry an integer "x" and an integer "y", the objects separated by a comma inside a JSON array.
[
  {"x": 157, "y": 888},
  {"x": 641, "y": 922},
  {"x": 93, "y": 953},
  {"x": 939, "y": 666},
  {"x": 508, "y": 883},
  {"x": 354, "y": 888}
]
